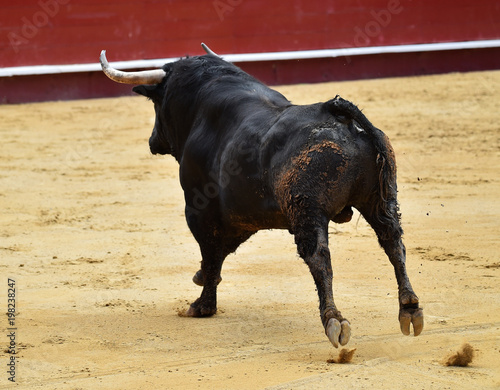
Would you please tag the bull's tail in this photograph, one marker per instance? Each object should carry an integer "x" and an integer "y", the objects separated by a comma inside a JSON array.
[{"x": 385, "y": 208}]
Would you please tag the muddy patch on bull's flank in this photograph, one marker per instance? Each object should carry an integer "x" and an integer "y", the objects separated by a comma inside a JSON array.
[{"x": 292, "y": 179}]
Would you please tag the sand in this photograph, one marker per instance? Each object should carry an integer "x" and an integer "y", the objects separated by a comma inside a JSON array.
[{"x": 94, "y": 236}]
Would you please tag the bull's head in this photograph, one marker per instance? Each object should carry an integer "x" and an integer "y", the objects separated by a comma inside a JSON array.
[{"x": 154, "y": 87}]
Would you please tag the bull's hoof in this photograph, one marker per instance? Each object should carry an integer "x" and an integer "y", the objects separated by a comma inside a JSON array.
[
  {"x": 414, "y": 316},
  {"x": 338, "y": 332},
  {"x": 198, "y": 309},
  {"x": 410, "y": 313},
  {"x": 198, "y": 278}
]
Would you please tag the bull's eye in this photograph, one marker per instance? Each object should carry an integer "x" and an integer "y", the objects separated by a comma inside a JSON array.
[{"x": 357, "y": 127}]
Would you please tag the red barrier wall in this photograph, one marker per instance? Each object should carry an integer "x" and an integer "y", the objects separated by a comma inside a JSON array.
[{"x": 40, "y": 32}]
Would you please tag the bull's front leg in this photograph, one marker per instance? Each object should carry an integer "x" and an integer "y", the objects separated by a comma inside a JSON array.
[
  {"x": 227, "y": 245},
  {"x": 206, "y": 230},
  {"x": 211, "y": 265},
  {"x": 215, "y": 245}
]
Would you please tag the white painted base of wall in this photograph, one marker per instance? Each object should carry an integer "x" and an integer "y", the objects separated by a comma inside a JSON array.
[{"x": 255, "y": 57}]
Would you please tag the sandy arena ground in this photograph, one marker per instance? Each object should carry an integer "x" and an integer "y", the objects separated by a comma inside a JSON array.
[{"x": 93, "y": 233}]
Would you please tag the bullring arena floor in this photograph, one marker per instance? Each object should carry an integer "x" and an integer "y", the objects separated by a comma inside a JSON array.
[{"x": 94, "y": 236}]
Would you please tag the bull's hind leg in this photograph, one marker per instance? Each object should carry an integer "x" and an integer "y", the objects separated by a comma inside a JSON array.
[
  {"x": 388, "y": 229},
  {"x": 312, "y": 244}
]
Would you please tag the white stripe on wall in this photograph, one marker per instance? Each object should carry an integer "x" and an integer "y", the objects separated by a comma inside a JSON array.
[{"x": 254, "y": 57}]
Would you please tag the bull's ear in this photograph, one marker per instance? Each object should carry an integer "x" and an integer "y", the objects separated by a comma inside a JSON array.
[{"x": 150, "y": 91}]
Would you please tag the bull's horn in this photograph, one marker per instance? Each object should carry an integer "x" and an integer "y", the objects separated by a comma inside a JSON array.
[
  {"x": 143, "y": 77},
  {"x": 207, "y": 49}
]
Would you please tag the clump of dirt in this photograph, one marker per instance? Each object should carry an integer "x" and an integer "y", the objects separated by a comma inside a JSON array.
[
  {"x": 345, "y": 356},
  {"x": 181, "y": 312},
  {"x": 461, "y": 358}
]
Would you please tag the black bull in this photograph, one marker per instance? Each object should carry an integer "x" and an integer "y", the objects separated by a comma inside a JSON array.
[{"x": 251, "y": 160}]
